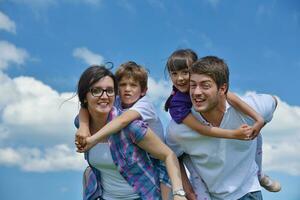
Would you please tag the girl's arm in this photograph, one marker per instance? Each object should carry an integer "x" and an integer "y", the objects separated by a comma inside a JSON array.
[
  {"x": 242, "y": 133},
  {"x": 110, "y": 128},
  {"x": 239, "y": 104},
  {"x": 164, "y": 153}
]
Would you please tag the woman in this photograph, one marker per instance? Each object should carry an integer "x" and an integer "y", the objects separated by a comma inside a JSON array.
[{"x": 122, "y": 160}]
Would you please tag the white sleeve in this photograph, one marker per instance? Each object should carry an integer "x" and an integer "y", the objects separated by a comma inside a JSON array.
[
  {"x": 145, "y": 109},
  {"x": 264, "y": 104},
  {"x": 171, "y": 140}
]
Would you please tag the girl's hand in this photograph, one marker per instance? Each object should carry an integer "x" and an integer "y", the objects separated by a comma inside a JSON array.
[
  {"x": 244, "y": 132},
  {"x": 257, "y": 126}
]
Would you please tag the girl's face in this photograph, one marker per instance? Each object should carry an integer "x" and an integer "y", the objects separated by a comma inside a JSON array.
[
  {"x": 181, "y": 79},
  {"x": 100, "y": 99}
]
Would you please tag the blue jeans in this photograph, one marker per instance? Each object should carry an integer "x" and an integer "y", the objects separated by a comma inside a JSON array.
[{"x": 252, "y": 196}]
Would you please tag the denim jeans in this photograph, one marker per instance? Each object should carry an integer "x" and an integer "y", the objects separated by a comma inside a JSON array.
[{"x": 252, "y": 196}]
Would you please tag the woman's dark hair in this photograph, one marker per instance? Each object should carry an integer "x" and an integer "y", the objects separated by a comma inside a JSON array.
[
  {"x": 179, "y": 59},
  {"x": 89, "y": 77}
]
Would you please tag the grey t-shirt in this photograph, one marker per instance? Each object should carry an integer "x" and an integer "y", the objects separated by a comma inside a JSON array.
[{"x": 227, "y": 166}]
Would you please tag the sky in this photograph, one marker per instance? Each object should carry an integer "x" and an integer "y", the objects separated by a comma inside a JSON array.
[{"x": 46, "y": 45}]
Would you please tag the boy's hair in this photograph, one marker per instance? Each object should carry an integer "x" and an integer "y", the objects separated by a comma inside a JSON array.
[
  {"x": 132, "y": 70},
  {"x": 214, "y": 67}
]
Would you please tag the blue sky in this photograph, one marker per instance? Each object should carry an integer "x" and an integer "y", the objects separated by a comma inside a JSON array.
[{"x": 45, "y": 46}]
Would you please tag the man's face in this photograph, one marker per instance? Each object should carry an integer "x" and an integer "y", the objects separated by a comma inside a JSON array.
[
  {"x": 204, "y": 93},
  {"x": 129, "y": 91}
]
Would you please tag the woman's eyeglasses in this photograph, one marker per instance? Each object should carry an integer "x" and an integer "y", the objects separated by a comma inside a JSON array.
[{"x": 98, "y": 92}]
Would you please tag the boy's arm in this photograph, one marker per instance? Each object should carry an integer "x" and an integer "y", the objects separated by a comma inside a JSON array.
[
  {"x": 110, "y": 128},
  {"x": 242, "y": 133},
  {"x": 239, "y": 104}
]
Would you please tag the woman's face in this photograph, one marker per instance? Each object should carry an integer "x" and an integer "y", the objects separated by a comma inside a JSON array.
[{"x": 100, "y": 99}]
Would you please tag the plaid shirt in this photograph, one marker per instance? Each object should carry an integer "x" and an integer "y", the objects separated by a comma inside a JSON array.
[{"x": 132, "y": 162}]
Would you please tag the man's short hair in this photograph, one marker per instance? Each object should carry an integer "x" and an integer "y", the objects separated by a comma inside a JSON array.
[
  {"x": 214, "y": 67},
  {"x": 132, "y": 70}
]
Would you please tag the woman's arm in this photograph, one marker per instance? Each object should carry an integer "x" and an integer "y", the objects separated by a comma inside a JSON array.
[
  {"x": 242, "y": 133},
  {"x": 239, "y": 104},
  {"x": 110, "y": 128},
  {"x": 83, "y": 129},
  {"x": 164, "y": 153}
]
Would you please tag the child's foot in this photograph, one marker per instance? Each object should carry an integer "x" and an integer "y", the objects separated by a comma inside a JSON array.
[{"x": 269, "y": 184}]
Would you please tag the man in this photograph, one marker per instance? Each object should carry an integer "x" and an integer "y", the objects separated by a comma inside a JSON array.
[{"x": 226, "y": 166}]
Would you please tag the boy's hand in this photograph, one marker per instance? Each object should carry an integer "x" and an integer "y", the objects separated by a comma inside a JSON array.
[
  {"x": 85, "y": 144},
  {"x": 244, "y": 132},
  {"x": 80, "y": 136}
]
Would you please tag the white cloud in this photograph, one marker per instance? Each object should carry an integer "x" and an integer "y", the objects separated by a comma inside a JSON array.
[
  {"x": 35, "y": 109},
  {"x": 281, "y": 140},
  {"x": 10, "y": 54},
  {"x": 88, "y": 56},
  {"x": 60, "y": 157},
  {"x": 158, "y": 90},
  {"x": 7, "y": 24}
]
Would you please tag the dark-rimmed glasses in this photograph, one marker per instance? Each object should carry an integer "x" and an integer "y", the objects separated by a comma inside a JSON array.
[{"x": 98, "y": 92}]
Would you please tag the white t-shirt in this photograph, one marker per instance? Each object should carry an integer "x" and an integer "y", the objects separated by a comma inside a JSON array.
[
  {"x": 113, "y": 184},
  {"x": 147, "y": 111},
  {"x": 227, "y": 166}
]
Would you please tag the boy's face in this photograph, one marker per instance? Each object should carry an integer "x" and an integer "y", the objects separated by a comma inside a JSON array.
[{"x": 130, "y": 91}]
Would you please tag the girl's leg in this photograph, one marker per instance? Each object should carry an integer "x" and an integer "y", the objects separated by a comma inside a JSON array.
[
  {"x": 265, "y": 181},
  {"x": 258, "y": 156}
]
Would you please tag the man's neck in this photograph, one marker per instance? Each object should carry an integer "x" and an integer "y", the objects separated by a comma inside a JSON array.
[{"x": 215, "y": 116}]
